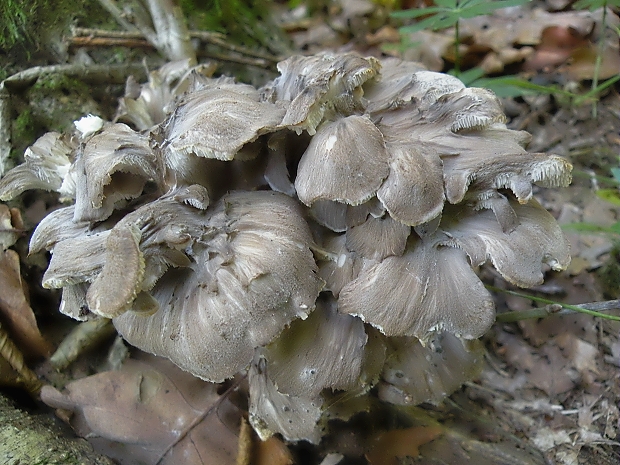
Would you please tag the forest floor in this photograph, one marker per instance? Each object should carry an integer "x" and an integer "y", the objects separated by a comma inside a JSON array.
[{"x": 549, "y": 392}]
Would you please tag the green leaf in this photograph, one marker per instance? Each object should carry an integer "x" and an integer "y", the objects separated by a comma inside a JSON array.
[
  {"x": 610, "y": 195},
  {"x": 415, "y": 13},
  {"x": 616, "y": 173},
  {"x": 452, "y": 4},
  {"x": 514, "y": 86},
  {"x": 595, "y": 4},
  {"x": 602, "y": 86},
  {"x": 434, "y": 23},
  {"x": 470, "y": 76},
  {"x": 592, "y": 228}
]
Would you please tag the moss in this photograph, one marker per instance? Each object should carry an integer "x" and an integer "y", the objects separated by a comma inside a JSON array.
[
  {"x": 52, "y": 104},
  {"x": 36, "y": 22},
  {"x": 14, "y": 26},
  {"x": 24, "y": 131},
  {"x": 245, "y": 22}
]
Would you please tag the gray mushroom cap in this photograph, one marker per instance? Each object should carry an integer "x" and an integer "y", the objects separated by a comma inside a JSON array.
[
  {"x": 321, "y": 84},
  {"x": 519, "y": 254},
  {"x": 325, "y": 351},
  {"x": 414, "y": 373},
  {"x": 114, "y": 166},
  {"x": 404, "y": 81},
  {"x": 217, "y": 123},
  {"x": 465, "y": 128},
  {"x": 252, "y": 275},
  {"x": 346, "y": 161},
  {"x": 378, "y": 238},
  {"x": 271, "y": 411},
  {"x": 55, "y": 227},
  {"x": 46, "y": 166},
  {"x": 419, "y": 293},
  {"x": 339, "y": 216},
  {"x": 413, "y": 192}
]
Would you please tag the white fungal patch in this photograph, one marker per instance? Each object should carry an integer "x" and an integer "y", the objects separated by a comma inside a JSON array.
[
  {"x": 88, "y": 125},
  {"x": 330, "y": 142}
]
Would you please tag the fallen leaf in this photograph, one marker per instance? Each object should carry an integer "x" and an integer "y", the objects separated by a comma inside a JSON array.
[
  {"x": 151, "y": 412},
  {"x": 11, "y": 226},
  {"x": 15, "y": 310},
  {"x": 388, "y": 446},
  {"x": 13, "y": 369},
  {"x": 272, "y": 452}
]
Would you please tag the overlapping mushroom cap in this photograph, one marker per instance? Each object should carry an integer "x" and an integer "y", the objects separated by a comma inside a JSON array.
[{"x": 322, "y": 233}]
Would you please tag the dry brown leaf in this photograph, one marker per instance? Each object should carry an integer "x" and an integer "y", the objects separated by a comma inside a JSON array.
[
  {"x": 557, "y": 44},
  {"x": 151, "y": 412},
  {"x": 545, "y": 368},
  {"x": 15, "y": 310},
  {"x": 272, "y": 452},
  {"x": 583, "y": 62},
  {"x": 13, "y": 369},
  {"x": 11, "y": 226},
  {"x": 388, "y": 446}
]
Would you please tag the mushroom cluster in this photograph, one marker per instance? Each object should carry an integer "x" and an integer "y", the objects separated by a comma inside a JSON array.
[{"x": 321, "y": 233}]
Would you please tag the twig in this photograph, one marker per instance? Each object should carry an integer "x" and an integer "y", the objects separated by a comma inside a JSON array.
[
  {"x": 117, "y": 37},
  {"x": 118, "y": 15},
  {"x": 82, "y": 338},
  {"x": 5, "y": 127},
  {"x": 96, "y": 74},
  {"x": 110, "y": 42},
  {"x": 240, "y": 60},
  {"x": 170, "y": 35},
  {"x": 556, "y": 308},
  {"x": 220, "y": 40}
]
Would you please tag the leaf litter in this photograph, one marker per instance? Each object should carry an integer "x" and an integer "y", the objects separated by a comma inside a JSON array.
[{"x": 151, "y": 412}]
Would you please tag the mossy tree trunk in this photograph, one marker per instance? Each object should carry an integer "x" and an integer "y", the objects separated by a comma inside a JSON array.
[{"x": 27, "y": 438}]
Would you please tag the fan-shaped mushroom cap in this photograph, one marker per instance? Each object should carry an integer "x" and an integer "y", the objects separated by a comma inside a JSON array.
[
  {"x": 253, "y": 274},
  {"x": 272, "y": 412},
  {"x": 421, "y": 292},
  {"x": 339, "y": 265},
  {"x": 346, "y": 161},
  {"x": 403, "y": 81},
  {"x": 76, "y": 260},
  {"x": 414, "y": 373},
  {"x": 144, "y": 105},
  {"x": 378, "y": 238},
  {"x": 55, "y": 227},
  {"x": 316, "y": 84},
  {"x": 518, "y": 254},
  {"x": 490, "y": 169},
  {"x": 479, "y": 153},
  {"x": 217, "y": 122},
  {"x": 119, "y": 282},
  {"x": 46, "y": 166},
  {"x": 339, "y": 216},
  {"x": 114, "y": 165},
  {"x": 324, "y": 351},
  {"x": 413, "y": 193},
  {"x": 140, "y": 248}
]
